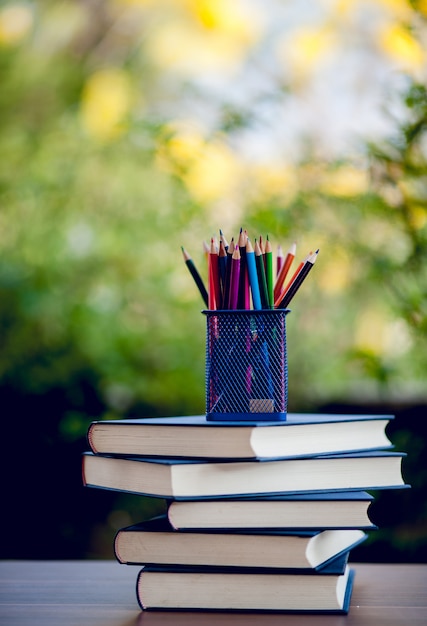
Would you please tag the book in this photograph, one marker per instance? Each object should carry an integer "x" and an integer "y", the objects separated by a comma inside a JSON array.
[
  {"x": 190, "y": 478},
  {"x": 301, "y": 434},
  {"x": 303, "y": 511},
  {"x": 154, "y": 542},
  {"x": 251, "y": 591}
]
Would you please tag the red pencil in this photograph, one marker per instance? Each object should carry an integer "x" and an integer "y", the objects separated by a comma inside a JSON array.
[
  {"x": 290, "y": 256},
  {"x": 214, "y": 280}
]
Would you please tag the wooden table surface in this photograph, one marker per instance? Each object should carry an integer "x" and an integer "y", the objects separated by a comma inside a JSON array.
[{"x": 89, "y": 593}]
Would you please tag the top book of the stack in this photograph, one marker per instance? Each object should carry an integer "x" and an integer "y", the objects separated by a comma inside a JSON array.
[{"x": 193, "y": 436}]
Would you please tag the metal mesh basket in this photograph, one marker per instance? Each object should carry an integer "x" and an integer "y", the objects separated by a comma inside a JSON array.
[{"x": 246, "y": 365}]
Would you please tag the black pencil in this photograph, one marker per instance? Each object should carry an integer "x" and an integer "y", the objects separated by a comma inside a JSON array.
[
  {"x": 195, "y": 274},
  {"x": 226, "y": 292},
  {"x": 298, "y": 281},
  {"x": 261, "y": 275}
]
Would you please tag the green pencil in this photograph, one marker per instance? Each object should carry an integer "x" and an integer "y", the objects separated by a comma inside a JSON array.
[
  {"x": 269, "y": 272},
  {"x": 261, "y": 276}
]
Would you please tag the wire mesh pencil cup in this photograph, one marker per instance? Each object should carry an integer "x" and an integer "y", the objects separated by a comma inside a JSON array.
[{"x": 246, "y": 365}]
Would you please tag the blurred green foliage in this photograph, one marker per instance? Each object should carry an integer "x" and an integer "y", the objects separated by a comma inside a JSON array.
[{"x": 99, "y": 317}]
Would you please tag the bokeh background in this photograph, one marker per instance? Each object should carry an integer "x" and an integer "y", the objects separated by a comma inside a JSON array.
[{"x": 130, "y": 128}]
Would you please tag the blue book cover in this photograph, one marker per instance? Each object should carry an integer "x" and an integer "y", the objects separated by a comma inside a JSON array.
[
  {"x": 187, "y": 478},
  {"x": 163, "y": 589},
  {"x": 155, "y": 542},
  {"x": 302, "y": 434},
  {"x": 316, "y": 510}
]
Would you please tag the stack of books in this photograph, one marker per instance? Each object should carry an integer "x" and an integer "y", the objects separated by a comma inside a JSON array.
[{"x": 259, "y": 517}]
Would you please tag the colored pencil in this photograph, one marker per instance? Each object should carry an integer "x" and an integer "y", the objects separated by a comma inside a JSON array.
[
  {"x": 222, "y": 260},
  {"x": 290, "y": 256},
  {"x": 298, "y": 280},
  {"x": 196, "y": 276},
  {"x": 223, "y": 239},
  {"x": 269, "y": 272},
  {"x": 253, "y": 276},
  {"x": 262, "y": 280},
  {"x": 226, "y": 290},
  {"x": 214, "y": 280},
  {"x": 234, "y": 279},
  {"x": 294, "y": 275},
  {"x": 279, "y": 259},
  {"x": 244, "y": 291}
]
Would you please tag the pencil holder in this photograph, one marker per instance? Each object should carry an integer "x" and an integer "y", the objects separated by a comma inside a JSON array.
[{"x": 246, "y": 365}]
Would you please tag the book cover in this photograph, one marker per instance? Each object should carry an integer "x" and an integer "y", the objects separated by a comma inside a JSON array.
[
  {"x": 155, "y": 542},
  {"x": 195, "y": 436},
  {"x": 187, "y": 478},
  {"x": 309, "y": 511},
  {"x": 169, "y": 589}
]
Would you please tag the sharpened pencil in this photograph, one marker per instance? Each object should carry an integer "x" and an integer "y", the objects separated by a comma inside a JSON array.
[
  {"x": 289, "y": 283},
  {"x": 290, "y": 256},
  {"x": 214, "y": 279},
  {"x": 253, "y": 275},
  {"x": 244, "y": 291},
  {"x": 298, "y": 280},
  {"x": 222, "y": 260},
  {"x": 234, "y": 279},
  {"x": 223, "y": 239},
  {"x": 196, "y": 276},
  {"x": 226, "y": 290},
  {"x": 269, "y": 272},
  {"x": 262, "y": 280}
]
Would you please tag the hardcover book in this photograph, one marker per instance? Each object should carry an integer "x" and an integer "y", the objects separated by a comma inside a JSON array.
[
  {"x": 194, "y": 436},
  {"x": 347, "y": 509},
  {"x": 200, "y": 589},
  {"x": 154, "y": 542},
  {"x": 186, "y": 478}
]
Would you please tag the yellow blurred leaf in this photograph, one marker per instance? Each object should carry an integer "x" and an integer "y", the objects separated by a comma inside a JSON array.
[
  {"x": 370, "y": 331},
  {"x": 336, "y": 272},
  {"x": 210, "y": 169},
  {"x": 215, "y": 175},
  {"x": 269, "y": 180},
  {"x": 421, "y": 6},
  {"x": 401, "y": 46},
  {"x": 345, "y": 182},
  {"x": 105, "y": 103},
  {"x": 307, "y": 48},
  {"x": 230, "y": 18},
  {"x": 418, "y": 217},
  {"x": 207, "y": 38}
]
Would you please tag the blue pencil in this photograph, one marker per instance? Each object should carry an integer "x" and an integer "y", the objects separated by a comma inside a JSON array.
[{"x": 253, "y": 275}]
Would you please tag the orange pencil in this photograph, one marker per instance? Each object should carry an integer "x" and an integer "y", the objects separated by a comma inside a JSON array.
[
  {"x": 292, "y": 280},
  {"x": 290, "y": 256},
  {"x": 298, "y": 280}
]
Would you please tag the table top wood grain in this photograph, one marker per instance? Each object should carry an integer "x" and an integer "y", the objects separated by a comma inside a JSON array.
[{"x": 102, "y": 593}]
